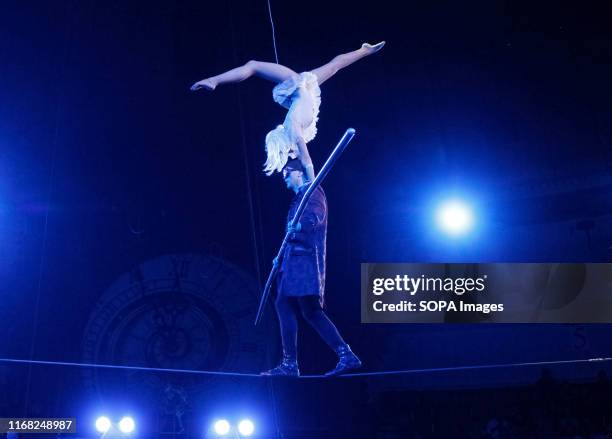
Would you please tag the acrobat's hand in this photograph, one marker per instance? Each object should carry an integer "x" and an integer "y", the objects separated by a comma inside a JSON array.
[
  {"x": 207, "y": 83},
  {"x": 275, "y": 261}
]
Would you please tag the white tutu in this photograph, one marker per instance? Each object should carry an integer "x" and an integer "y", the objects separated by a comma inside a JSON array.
[{"x": 301, "y": 95}]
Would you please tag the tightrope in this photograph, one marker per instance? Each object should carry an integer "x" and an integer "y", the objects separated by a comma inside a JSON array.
[{"x": 350, "y": 375}]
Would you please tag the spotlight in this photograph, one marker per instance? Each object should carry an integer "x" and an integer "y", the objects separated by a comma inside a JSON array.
[
  {"x": 246, "y": 427},
  {"x": 454, "y": 217},
  {"x": 126, "y": 424},
  {"x": 222, "y": 427},
  {"x": 103, "y": 424}
]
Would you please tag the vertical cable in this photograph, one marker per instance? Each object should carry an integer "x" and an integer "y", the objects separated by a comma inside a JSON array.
[
  {"x": 271, "y": 384},
  {"x": 251, "y": 205},
  {"x": 273, "y": 31}
]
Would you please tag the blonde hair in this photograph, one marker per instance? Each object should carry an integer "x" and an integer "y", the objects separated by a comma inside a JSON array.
[{"x": 278, "y": 146}]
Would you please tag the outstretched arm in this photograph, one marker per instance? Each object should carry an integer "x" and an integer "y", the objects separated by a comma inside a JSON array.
[{"x": 305, "y": 159}]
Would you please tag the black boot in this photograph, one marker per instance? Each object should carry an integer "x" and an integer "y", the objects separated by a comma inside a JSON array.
[
  {"x": 347, "y": 360},
  {"x": 288, "y": 368}
]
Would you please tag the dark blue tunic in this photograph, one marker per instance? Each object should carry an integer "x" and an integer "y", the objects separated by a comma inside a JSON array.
[{"x": 302, "y": 269}]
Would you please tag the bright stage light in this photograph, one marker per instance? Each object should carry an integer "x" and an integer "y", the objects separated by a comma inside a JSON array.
[
  {"x": 127, "y": 424},
  {"x": 246, "y": 427},
  {"x": 222, "y": 427},
  {"x": 455, "y": 217},
  {"x": 103, "y": 424}
]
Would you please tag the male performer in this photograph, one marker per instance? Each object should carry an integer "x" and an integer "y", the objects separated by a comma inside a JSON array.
[{"x": 301, "y": 278}]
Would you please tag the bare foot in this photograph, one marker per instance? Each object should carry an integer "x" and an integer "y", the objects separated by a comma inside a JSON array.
[
  {"x": 373, "y": 48},
  {"x": 207, "y": 83}
]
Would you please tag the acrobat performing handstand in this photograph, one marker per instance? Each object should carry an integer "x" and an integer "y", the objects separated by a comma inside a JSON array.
[{"x": 300, "y": 94}]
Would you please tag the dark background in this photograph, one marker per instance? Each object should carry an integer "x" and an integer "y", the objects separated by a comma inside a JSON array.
[{"x": 107, "y": 160}]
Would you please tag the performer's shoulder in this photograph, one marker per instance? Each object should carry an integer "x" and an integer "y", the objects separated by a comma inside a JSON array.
[
  {"x": 319, "y": 191},
  {"x": 320, "y": 194}
]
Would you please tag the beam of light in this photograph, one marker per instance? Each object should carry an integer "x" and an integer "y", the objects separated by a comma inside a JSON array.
[
  {"x": 454, "y": 217},
  {"x": 222, "y": 427},
  {"x": 246, "y": 427},
  {"x": 127, "y": 424}
]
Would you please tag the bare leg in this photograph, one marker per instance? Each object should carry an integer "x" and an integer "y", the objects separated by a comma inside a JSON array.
[
  {"x": 331, "y": 68},
  {"x": 270, "y": 71}
]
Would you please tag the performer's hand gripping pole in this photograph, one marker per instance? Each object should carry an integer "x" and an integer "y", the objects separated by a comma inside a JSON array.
[{"x": 338, "y": 150}]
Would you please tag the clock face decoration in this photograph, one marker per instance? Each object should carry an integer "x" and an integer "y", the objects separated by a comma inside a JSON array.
[{"x": 191, "y": 312}]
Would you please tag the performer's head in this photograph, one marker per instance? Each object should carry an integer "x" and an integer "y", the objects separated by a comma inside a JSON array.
[
  {"x": 293, "y": 174},
  {"x": 278, "y": 150}
]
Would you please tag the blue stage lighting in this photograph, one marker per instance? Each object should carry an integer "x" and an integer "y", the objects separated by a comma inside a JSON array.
[
  {"x": 246, "y": 427},
  {"x": 103, "y": 424},
  {"x": 455, "y": 217},
  {"x": 127, "y": 424},
  {"x": 222, "y": 427}
]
